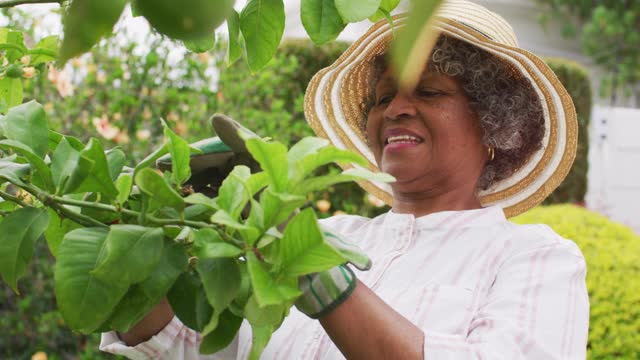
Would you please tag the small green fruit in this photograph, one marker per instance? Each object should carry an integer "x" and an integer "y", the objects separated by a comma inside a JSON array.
[
  {"x": 185, "y": 19},
  {"x": 14, "y": 71}
]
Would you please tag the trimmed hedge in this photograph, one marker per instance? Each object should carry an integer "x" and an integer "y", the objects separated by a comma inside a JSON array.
[
  {"x": 576, "y": 79},
  {"x": 612, "y": 252}
]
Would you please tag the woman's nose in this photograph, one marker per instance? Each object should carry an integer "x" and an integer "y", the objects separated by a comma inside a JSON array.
[{"x": 400, "y": 106}]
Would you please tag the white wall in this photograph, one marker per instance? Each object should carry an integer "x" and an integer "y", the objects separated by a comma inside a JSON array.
[{"x": 614, "y": 164}]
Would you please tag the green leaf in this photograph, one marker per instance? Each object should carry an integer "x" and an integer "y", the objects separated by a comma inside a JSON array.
[
  {"x": 201, "y": 199},
  {"x": 234, "y": 193},
  {"x": 116, "y": 160},
  {"x": 85, "y": 23},
  {"x": 143, "y": 296},
  {"x": 386, "y": 7},
  {"x": 323, "y": 156},
  {"x": 266, "y": 289},
  {"x": 354, "y": 11},
  {"x": 322, "y": 182},
  {"x": 201, "y": 45},
  {"x": 262, "y": 25},
  {"x": 20, "y": 230},
  {"x": 189, "y": 301},
  {"x": 11, "y": 92},
  {"x": 69, "y": 169},
  {"x": 151, "y": 158},
  {"x": 260, "y": 338},
  {"x": 209, "y": 245},
  {"x": 270, "y": 315},
  {"x": 307, "y": 146},
  {"x": 321, "y": 20},
  {"x": 223, "y": 335},
  {"x": 42, "y": 173},
  {"x": 221, "y": 280},
  {"x": 223, "y": 218},
  {"x": 159, "y": 192},
  {"x": 180, "y": 156},
  {"x": 130, "y": 253},
  {"x": 15, "y": 42},
  {"x": 13, "y": 171},
  {"x": 56, "y": 230},
  {"x": 99, "y": 178},
  {"x": 27, "y": 124},
  {"x": 123, "y": 185},
  {"x": 272, "y": 157},
  {"x": 277, "y": 207},
  {"x": 46, "y": 50},
  {"x": 414, "y": 43},
  {"x": 303, "y": 249},
  {"x": 257, "y": 182},
  {"x": 84, "y": 301},
  {"x": 234, "y": 50}
]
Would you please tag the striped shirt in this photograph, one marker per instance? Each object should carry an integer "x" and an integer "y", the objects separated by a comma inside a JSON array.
[{"x": 479, "y": 287}]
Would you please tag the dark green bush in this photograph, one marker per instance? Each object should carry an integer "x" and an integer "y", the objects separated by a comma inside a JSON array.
[
  {"x": 576, "y": 79},
  {"x": 612, "y": 252}
]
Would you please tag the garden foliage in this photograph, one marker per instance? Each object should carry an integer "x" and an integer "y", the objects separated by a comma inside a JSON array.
[
  {"x": 612, "y": 252},
  {"x": 576, "y": 80}
]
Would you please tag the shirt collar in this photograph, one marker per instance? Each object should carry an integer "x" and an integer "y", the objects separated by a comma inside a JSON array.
[{"x": 491, "y": 215}]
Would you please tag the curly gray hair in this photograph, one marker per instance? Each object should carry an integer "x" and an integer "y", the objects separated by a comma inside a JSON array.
[{"x": 507, "y": 106}]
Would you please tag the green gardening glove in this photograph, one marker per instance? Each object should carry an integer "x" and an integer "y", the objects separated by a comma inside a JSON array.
[
  {"x": 322, "y": 292},
  {"x": 219, "y": 155}
]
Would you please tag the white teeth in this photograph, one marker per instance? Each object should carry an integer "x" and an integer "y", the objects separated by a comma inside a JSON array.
[{"x": 403, "y": 139}]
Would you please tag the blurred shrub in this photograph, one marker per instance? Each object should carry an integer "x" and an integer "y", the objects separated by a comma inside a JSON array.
[
  {"x": 576, "y": 79},
  {"x": 612, "y": 252}
]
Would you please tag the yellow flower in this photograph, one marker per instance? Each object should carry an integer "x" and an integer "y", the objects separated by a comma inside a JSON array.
[
  {"x": 25, "y": 60},
  {"x": 143, "y": 134},
  {"x": 39, "y": 356},
  {"x": 323, "y": 205},
  {"x": 28, "y": 72}
]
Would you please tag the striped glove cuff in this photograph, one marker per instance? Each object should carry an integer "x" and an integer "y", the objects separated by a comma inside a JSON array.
[{"x": 323, "y": 292}]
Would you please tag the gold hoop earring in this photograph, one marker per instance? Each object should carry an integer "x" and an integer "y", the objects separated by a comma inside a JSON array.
[{"x": 491, "y": 152}]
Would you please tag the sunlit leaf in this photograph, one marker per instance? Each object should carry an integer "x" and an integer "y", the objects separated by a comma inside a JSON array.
[
  {"x": 27, "y": 124},
  {"x": 85, "y": 23},
  {"x": 209, "y": 245},
  {"x": 321, "y": 20},
  {"x": 262, "y": 25},
  {"x": 234, "y": 50},
  {"x": 180, "y": 156},
  {"x": 272, "y": 157},
  {"x": 234, "y": 192},
  {"x": 410, "y": 51},
  {"x": 354, "y": 11},
  {"x": 266, "y": 289},
  {"x": 260, "y": 338}
]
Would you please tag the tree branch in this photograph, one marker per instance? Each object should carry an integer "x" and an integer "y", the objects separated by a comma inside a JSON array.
[{"x": 12, "y": 3}]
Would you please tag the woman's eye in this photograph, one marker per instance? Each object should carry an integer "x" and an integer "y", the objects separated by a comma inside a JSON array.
[
  {"x": 428, "y": 93},
  {"x": 384, "y": 99}
]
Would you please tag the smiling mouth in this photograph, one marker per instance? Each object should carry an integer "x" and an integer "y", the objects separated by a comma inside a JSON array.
[{"x": 403, "y": 139}]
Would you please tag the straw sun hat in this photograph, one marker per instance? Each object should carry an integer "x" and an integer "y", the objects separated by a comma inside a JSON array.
[{"x": 335, "y": 96}]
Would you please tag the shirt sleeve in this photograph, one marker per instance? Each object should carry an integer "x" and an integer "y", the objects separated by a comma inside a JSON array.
[
  {"x": 174, "y": 342},
  {"x": 536, "y": 308}
]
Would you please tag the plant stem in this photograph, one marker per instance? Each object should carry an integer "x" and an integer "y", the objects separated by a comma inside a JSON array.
[
  {"x": 12, "y": 198},
  {"x": 12, "y": 3}
]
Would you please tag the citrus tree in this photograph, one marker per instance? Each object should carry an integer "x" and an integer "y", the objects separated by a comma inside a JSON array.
[{"x": 123, "y": 236}]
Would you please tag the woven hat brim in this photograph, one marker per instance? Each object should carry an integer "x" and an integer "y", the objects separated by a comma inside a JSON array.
[{"x": 334, "y": 109}]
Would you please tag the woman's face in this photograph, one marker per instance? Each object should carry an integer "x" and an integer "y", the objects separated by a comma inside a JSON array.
[{"x": 428, "y": 139}]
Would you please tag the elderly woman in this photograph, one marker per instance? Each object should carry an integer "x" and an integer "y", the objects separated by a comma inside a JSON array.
[{"x": 487, "y": 133}]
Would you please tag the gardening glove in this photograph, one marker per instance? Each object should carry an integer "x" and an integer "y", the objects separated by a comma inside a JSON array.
[
  {"x": 219, "y": 155},
  {"x": 322, "y": 292}
]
